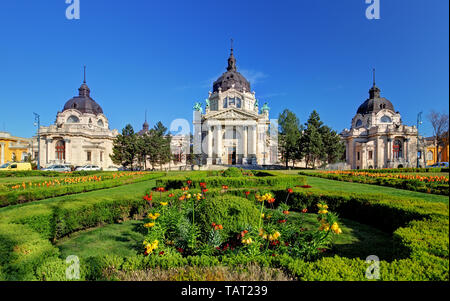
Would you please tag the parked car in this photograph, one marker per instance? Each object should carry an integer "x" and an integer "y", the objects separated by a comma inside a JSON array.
[
  {"x": 111, "y": 168},
  {"x": 13, "y": 166},
  {"x": 88, "y": 168},
  {"x": 57, "y": 168},
  {"x": 123, "y": 169}
]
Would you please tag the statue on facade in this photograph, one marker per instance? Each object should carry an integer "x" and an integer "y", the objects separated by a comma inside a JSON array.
[
  {"x": 198, "y": 107},
  {"x": 265, "y": 108},
  {"x": 256, "y": 103},
  {"x": 207, "y": 103}
]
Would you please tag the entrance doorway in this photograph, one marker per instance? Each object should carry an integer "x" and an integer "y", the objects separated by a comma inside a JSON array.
[{"x": 232, "y": 156}]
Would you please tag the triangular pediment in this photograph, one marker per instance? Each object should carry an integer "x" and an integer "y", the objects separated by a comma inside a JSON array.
[{"x": 231, "y": 114}]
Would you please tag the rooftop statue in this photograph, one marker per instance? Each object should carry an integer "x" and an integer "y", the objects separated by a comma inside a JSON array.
[
  {"x": 207, "y": 103},
  {"x": 265, "y": 108},
  {"x": 256, "y": 103},
  {"x": 198, "y": 107}
]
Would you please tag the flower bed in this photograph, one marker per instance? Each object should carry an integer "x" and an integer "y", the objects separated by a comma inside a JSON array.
[
  {"x": 28, "y": 192},
  {"x": 427, "y": 184}
]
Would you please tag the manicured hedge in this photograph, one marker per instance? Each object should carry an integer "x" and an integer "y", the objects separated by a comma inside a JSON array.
[
  {"x": 24, "y": 196},
  {"x": 177, "y": 182}
]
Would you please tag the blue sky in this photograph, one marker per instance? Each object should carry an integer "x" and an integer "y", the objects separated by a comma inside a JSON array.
[{"x": 162, "y": 56}]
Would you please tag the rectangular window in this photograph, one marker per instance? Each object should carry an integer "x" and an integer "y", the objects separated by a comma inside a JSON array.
[
  {"x": 101, "y": 156},
  {"x": 89, "y": 154},
  {"x": 358, "y": 155},
  {"x": 370, "y": 155}
]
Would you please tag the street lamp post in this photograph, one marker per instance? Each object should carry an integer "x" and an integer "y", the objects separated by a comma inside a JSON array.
[
  {"x": 37, "y": 122},
  {"x": 419, "y": 122}
]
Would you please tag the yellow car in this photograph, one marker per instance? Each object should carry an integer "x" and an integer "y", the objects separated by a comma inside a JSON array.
[{"x": 13, "y": 166}]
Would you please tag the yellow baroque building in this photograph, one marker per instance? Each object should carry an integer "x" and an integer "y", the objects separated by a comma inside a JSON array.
[
  {"x": 431, "y": 157},
  {"x": 13, "y": 148}
]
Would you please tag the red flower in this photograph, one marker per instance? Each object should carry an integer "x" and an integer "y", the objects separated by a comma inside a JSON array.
[
  {"x": 286, "y": 212},
  {"x": 180, "y": 250},
  {"x": 203, "y": 184},
  {"x": 205, "y": 190},
  {"x": 161, "y": 253},
  {"x": 189, "y": 182},
  {"x": 224, "y": 187},
  {"x": 282, "y": 221},
  {"x": 290, "y": 190},
  {"x": 305, "y": 210},
  {"x": 271, "y": 201},
  {"x": 171, "y": 195},
  {"x": 247, "y": 193}
]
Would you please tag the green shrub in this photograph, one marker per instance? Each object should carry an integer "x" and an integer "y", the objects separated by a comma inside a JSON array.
[
  {"x": 232, "y": 172},
  {"x": 233, "y": 213}
]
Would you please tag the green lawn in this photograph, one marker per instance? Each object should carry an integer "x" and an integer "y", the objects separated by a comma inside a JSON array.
[{"x": 119, "y": 239}]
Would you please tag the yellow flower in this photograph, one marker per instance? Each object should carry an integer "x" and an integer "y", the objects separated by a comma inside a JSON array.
[
  {"x": 262, "y": 215},
  {"x": 154, "y": 216},
  {"x": 149, "y": 225},
  {"x": 334, "y": 227},
  {"x": 323, "y": 211},
  {"x": 188, "y": 196},
  {"x": 247, "y": 241},
  {"x": 163, "y": 203}
]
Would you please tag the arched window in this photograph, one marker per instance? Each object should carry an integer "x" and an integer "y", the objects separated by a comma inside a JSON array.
[
  {"x": 430, "y": 156},
  {"x": 386, "y": 119},
  {"x": 397, "y": 149},
  {"x": 61, "y": 150},
  {"x": 73, "y": 119},
  {"x": 100, "y": 123},
  {"x": 359, "y": 123}
]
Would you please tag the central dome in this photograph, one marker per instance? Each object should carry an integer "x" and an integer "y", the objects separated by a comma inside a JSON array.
[
  {"x": 375, "y": 103},
  {"x": 231, "y": 78},
  {"x": 83, "y": 102}
]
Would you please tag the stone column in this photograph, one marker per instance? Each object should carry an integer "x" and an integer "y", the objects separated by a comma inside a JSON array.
[
  {"x": 245, "y": 143},
  {"x": 219, "y": 149},
  {"x": 406, "y": 152},
  {"x": 210, "y": 148},
  {"x": 2, "y": 155},
  {"x": 255, "y": 143}
]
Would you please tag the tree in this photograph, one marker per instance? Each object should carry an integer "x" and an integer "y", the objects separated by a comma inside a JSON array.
[
  {"x": 312, "y": 145},
  {"x": 289, "y": 136},
  {"x": 334, "y": 148},
  {"x": 312, "y": 141},
  {"x": 125, "y": 147},
  {"x": 439, "y": 122}
]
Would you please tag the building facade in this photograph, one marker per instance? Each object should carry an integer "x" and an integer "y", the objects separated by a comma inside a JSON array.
[
  {"x": 434, "y": 154},
  {"x": 80, "y": 136},
  {"x": 233, "y": 130},
  {"x": 378, "y": 138},
  {"x": 13, "y": 149}
]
